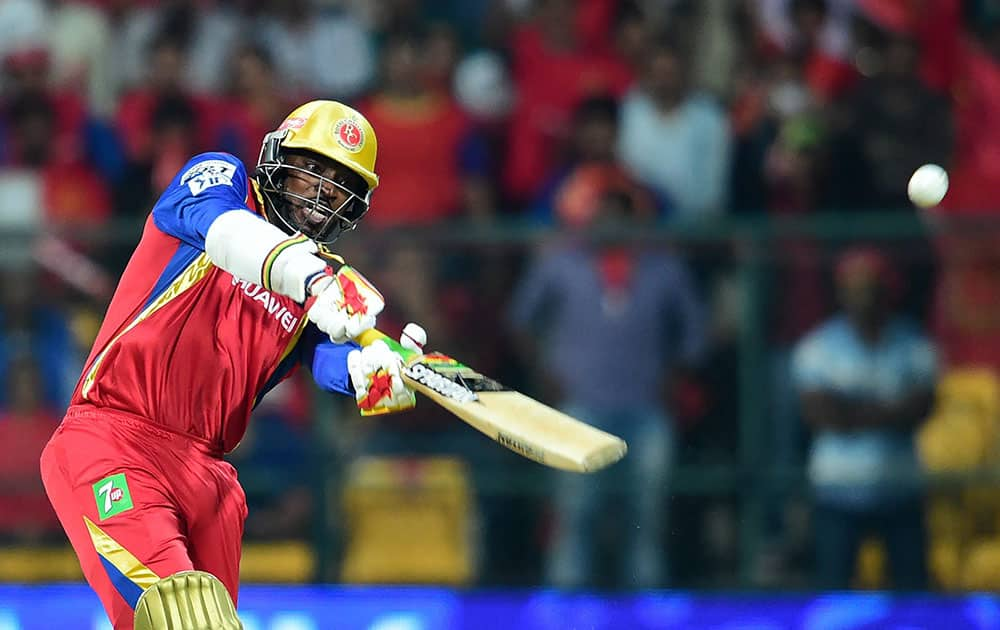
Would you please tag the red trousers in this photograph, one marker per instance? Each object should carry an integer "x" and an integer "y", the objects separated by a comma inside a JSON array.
[{"x": 140, "y": 503}]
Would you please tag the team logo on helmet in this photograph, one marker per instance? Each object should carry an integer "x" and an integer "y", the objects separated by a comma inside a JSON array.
[{"x": 349, "y": 134}]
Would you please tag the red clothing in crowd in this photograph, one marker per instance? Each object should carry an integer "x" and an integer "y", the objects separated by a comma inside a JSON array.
[
  {"x": 134, "y": 121},
  {"x": 419, "y": 142},
  {"x": 244, "y": 126},
  {"x": 70, "y": 117},
  {"x": 826, "y": 75},
  {"x": 74, "y": 194},
  {"x": 829, "y": 77},
  {"x": 550, "y": 84}
]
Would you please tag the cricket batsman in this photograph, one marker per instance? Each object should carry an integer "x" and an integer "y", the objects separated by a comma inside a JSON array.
[{"x": 225, "y": 295}]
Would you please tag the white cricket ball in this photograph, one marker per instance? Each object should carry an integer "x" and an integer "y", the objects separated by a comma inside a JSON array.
[
  {"x": 413, "y": 338},
  {"x": 928, "y": 185}
]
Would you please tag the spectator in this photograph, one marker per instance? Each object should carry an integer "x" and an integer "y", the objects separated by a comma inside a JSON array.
[
  {"x": 28, "y": 326},
  {"x": 173, "y": 129},
  {"x": 553, "y": 71},
  {"x": 134, "y": 26},
  {"x": 78, "y": 136},
  {"x": 674, "y": 141},
  {"x": 26, "y": 423},
  {"x": 26, "y": 76},
  {"x": 441, "y": 50},
  {"x": 164, "y": 82},
  {"x": 768, "y": 98},
  {"x": 209, "y": 30},
  {"x": 80, "y": 37},
  {"x": 592, "y": 160},
  {"x": 885, "y": 131},
  {"x": 866, "y": 381},
  {"x": 255, "y": 105},
  {"x": 422, "y": 137},
  {"x": 73, "y": 193},
  {"x": 481, "y": 87},
  {"x": 814, "y": 34},
  {"x": 618, "y": 321},
  {"x": 216, "y": 28},
  {"x": 305, "y": 42}
]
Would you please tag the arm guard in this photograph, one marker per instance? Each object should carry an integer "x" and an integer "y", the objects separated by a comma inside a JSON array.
[{"x": 252, "y": 249}]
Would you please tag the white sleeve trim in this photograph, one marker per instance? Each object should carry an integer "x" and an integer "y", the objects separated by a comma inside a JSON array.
[{"x": 252, "y": 249}]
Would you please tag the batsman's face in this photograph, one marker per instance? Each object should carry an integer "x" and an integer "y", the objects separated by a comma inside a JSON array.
[{"x": 316, "y": 179}]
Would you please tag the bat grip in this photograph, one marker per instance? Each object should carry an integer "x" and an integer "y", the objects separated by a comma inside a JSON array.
[{"x": 372, "y": 335}]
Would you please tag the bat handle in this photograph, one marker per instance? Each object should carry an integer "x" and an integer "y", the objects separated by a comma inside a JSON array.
[{"x": 372, "y": 335}]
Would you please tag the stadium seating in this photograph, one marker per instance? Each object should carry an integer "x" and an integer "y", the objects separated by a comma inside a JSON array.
[{"x": 408, "y": 521}]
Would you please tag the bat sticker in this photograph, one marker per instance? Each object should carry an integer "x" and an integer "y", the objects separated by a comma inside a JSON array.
[
  {"x": 441, "y": 384},
  {"x": 518, "y": 446},
  {"x": 460, "y": 374}
]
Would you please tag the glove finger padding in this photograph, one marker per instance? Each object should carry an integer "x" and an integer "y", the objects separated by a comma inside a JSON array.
[
  {"x": 357, "y": 372},
  {"x": 346, "y": 306},
  {"x": 376, "y": 373}
]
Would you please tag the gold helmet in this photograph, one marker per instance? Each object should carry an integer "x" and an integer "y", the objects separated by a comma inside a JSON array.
[{"x": 331, "y": 130}]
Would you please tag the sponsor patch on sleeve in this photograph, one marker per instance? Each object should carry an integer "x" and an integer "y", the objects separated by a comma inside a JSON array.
[{"x": 204, "y": 175}]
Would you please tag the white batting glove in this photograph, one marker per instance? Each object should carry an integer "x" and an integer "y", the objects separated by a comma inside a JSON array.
[
  {"x": 376, "y": 373},
  {"x": 345, "y": 304}
]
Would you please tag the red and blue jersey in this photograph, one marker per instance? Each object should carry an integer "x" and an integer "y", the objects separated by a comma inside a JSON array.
[{"x": 186, "y": 344}]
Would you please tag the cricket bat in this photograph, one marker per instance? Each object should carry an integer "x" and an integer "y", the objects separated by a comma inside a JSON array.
[{"x": 522, "y": 424}]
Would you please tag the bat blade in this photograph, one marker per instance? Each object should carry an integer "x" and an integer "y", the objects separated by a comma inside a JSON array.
[
  {"x": 541, "y": 433},
  {"x": 518, "y": 422}
]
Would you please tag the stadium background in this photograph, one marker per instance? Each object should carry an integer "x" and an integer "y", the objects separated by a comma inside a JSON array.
[{"x": 509, "y": 129}]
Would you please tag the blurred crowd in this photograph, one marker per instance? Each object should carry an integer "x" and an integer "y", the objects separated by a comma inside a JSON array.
[{"x": 572, "y": 115}]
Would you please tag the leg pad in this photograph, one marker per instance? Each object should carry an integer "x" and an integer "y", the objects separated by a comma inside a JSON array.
[{"x": 189, "y": 600}]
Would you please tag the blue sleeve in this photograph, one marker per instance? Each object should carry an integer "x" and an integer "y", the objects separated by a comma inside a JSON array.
[
  {"x": 327, "y": 361},
  {"x": 208, "y": 185}
]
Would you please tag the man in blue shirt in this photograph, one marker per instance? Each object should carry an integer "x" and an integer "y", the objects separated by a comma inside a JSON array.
[
  {"x": 865, "y": 379},
  {"x": 616, "y": 321}
]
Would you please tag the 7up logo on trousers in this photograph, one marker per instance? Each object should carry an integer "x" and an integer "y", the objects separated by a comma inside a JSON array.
[{"x": 112, "y": 496}]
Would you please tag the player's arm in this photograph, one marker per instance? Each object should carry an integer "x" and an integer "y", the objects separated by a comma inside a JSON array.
[
  {"x": 373, "y": 374},
  {"x": 206, "y": 207}
]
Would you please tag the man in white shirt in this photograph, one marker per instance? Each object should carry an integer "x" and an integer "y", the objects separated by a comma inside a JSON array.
[{"x": 674, "y": 141}]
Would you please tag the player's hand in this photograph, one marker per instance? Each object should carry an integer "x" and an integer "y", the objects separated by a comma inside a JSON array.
[
  {"x": 376, "y": 373},
  {"x": 344, "y": 304}
]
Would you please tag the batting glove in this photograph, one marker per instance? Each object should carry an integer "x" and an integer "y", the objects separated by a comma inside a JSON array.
[
  {"x": 344, "y": 305},
  {"x": 376, "y": 373}
]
